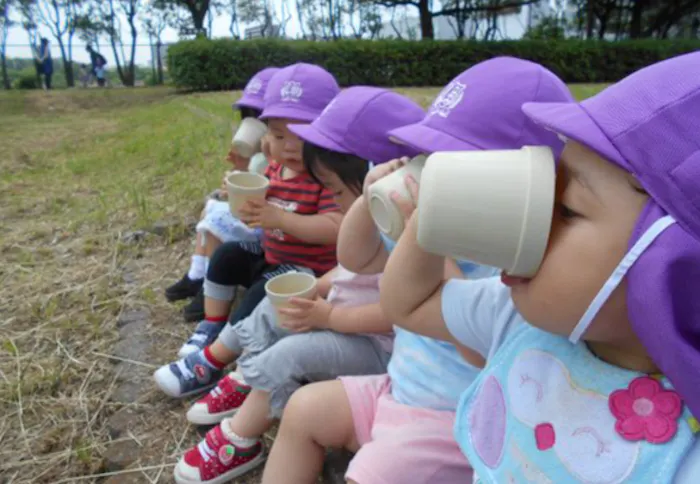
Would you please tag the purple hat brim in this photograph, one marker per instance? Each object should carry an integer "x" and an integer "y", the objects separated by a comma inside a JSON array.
[
  {"x": 573, "y": 121},
  {"x": 425, "y": 139},
  {"x": 311, "y": 134},
  {"x": 289, "y": 112},
  {"x": 249, "y": 102}
]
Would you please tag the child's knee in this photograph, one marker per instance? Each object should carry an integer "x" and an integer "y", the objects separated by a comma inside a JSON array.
[{"x": 301, "y": 407}]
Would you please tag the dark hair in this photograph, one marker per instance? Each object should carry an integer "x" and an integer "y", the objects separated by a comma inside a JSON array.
[
  {"x": 247, "y": 112},
  {"x": 44, "y": 40},
  {"x": 350, "y": 169}
]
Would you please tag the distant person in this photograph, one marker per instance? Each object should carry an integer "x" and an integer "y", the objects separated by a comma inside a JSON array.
[
  {"x": 98, "y": 65},
  {"x": 85, "y": 75},
  {"x": 45, "y": 62}
]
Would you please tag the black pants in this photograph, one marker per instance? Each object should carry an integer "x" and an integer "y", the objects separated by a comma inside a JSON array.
[
  {"x": 47, "y": 79},
  {"x": 231, "y": 265}
]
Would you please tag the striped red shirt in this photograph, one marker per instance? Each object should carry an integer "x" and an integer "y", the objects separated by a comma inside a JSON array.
[{"x": 302, "y": 195}]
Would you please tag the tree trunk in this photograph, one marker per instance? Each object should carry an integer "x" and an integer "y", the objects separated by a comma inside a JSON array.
[
  {"x": 67, "y": 67},
  {"x": 636, "y": 21},
  {"x": 159, "y": 61},
  {"x": 5, "y": 77},
  {"x": 132, "y": 57},
  {"x": 590, "y": 18},
  {"x": 426, "y": 19},
  {"x": 198, "y": 12}
]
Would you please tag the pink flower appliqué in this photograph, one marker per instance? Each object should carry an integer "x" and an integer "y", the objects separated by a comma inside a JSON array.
[{"x": 645, "y": 410}]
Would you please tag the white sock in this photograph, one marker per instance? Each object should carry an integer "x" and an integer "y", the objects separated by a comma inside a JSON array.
[
  {"x": 234, "y": 437},
  {"x": 198, "y": 268}
]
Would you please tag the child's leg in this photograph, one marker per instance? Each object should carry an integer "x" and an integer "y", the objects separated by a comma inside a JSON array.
[{"x": 317, "y": 416}]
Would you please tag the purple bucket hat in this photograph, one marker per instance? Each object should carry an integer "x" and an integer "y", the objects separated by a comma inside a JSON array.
[
  {"x": 254, "y": 92},
  {"x": 648, "y": 124},
  {"x": 358, "y": 120},
  {"x": 481, "y": 109},
  {"x": 300, "y": 92}
]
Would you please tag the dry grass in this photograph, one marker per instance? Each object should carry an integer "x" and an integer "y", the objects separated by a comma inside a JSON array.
[{"x": 79, "y": 169}]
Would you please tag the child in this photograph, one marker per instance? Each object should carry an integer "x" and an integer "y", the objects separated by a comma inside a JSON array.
[
  {"x": 400, "y": 424},
  {"x": 218, "y": 224},
  {"x": 352, "y": 130},
  {"x": 618, "y": 280},
  {"x": 299, "y": 217}
]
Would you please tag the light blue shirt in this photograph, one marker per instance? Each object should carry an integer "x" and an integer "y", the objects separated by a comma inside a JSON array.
[
  {"x": 481, "y": 315},
  {"x": 426, "y": 372}
]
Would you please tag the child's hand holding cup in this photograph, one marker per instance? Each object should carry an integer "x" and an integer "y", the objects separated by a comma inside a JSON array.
[
  {"x": 291, "y": 285},
  {"x": 242, "y": 186},
  {"x": 391, "y": 191}
]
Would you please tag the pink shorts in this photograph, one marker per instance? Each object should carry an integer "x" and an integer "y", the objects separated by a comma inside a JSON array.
[{"x": 399, "y": 443}]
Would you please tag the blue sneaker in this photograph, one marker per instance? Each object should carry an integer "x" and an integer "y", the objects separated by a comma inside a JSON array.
[
  {"x": 204, "y": 334},
  {"x": 188, "y": 376}
]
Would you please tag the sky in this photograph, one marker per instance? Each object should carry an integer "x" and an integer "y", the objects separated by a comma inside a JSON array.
[{"x": 18, "y": 40}]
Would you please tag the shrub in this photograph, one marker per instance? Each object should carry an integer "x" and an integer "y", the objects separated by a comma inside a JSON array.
[
  {"x": 204, "y": 64},
  {"x": 26, "y": 80}
]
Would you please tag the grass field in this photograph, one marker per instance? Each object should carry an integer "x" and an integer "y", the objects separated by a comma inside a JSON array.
[{"x": 78, "y": 171}]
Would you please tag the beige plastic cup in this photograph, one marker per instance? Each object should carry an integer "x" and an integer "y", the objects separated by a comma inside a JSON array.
[
  {"x": 384, "y": 211},
  {"x": 243, "y": 186},
  {"x": 281, "y": 288},
  {"x": 246, "y": 141},
  {"x": 490, "y": 207},
  {"x": 258, "y": 164}
]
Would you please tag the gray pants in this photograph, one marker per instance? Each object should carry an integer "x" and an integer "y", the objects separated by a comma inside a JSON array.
[{"x": 278, "y": 361}]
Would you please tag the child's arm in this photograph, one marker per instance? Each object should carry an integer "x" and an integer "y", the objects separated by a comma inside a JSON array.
[
  {"x": 320, "y": 229},
  {"x": 369, "y": 318},
  {"x": 360, "y": 248},
  {"x": 323, "y": 284},
  {"x": 319, "y": 314},
  {"x": 420, "y": 277}
]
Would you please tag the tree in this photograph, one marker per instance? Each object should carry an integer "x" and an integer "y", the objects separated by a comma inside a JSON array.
[
  {"x": 264, "y": 13},
  {"x": 61, "y": 18},
  {"x": 154, "y": 22},
  {"x": 197, "y": 10},
  {"x": 5, "y": 24},
  {"x": 113, "y": 27},
  {"x": 27, "y": 10}
]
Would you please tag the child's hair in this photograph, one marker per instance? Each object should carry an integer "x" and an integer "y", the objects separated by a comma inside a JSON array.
[
  {"x": 349, "y": 168},
  {"x": 247, "y": 112}
]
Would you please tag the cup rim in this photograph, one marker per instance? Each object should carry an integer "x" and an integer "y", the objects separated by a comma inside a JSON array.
[
  {"x": 287, "y": 274},
  {"x": 265, "y": 182}
]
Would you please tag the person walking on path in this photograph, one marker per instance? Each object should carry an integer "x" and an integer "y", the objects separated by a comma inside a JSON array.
[{"x": 46, "y": 62}]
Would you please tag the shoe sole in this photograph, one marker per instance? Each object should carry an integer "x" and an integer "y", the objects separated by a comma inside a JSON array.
[
  {"x": 183, "y": 395},
  {"x": 227, "y": 477},
  {"x": 172, "y": 297},
  {"x": 209, "y": 418}
]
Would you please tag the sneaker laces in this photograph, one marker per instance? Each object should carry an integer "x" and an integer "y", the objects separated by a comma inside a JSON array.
[
  {"x": 186, "y": 372},
  {"x": 205, "y": 451},
  {"x": 198, "y": 338}
]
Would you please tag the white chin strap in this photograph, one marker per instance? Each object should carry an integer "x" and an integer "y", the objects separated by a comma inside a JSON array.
[{"x": 618, "y": 274}]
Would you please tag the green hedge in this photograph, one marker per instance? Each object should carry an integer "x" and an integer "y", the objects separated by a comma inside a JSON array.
[{"x": 204, "y": 64}]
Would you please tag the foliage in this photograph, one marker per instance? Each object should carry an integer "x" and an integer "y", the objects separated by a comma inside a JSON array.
[
  {"x": 549, "y": 28},
  {"x": 204, "y": 64},
  {"x": 26, "y": 79}
]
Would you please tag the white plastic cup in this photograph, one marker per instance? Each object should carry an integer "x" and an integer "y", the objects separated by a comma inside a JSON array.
[
  {"x": 490, "y": 207},
  {"x": 386, "y": 214},
  {"x": 281, "y": 288},
  {"x": 258, "y": 164},
  {"x": 243, "y": 186},
  {"x": 246, "y": 141}
]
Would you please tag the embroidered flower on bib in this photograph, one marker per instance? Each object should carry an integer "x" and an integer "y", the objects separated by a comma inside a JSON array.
[{"x": 646, "y": 411}]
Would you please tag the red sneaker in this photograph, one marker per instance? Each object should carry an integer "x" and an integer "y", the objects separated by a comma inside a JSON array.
[
  {"x": 223, "y": 401},
  {"x": 216, "y": 460}
]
